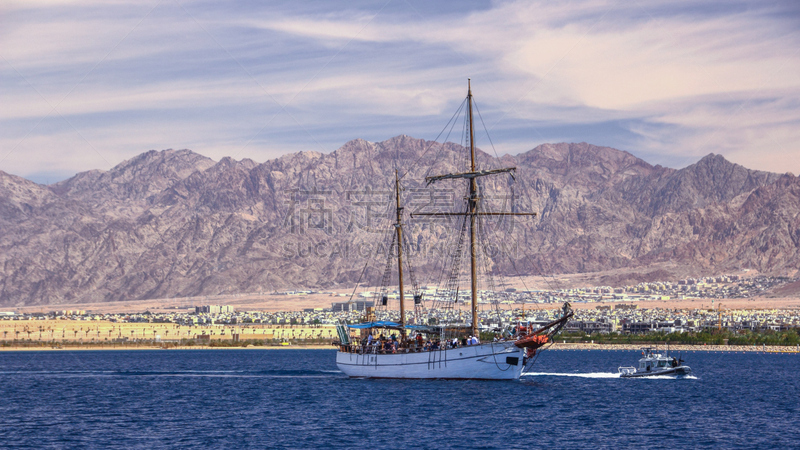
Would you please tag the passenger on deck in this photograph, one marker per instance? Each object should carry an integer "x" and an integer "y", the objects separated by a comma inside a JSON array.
[{"x": 382, "y": 343}]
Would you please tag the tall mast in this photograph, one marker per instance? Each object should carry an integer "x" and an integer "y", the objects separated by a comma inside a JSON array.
[
  {"x": 472, "y": 206},
  {"x": 473, "y": 210},
  {"x": 399, "y": 227}
]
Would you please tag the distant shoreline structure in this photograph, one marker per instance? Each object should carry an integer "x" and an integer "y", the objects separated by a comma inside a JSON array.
[{"x": 582, "y": 290}]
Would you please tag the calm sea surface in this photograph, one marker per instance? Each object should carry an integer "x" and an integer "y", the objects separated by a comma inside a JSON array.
[{"x": 298, "y": 399}]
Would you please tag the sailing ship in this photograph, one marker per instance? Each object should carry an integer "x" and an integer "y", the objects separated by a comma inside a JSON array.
[{"x": 442, "y": 351}]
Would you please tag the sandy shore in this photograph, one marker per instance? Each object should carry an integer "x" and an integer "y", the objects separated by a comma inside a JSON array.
[{"x": 105, "y": 333}]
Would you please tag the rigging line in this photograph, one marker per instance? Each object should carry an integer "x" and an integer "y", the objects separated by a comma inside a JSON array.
[
  {"x": 454, "y": 256},
  {"x": 441, "y": 147},
  {"x": 434, "y": 141},
  {"x": 429, "y": 253},
  {"x": 458, "y": 276},
  {"x": 438, "y": 154},
  {"x": 532, "y": 361},
  {"x": 494, "y": 355},
  {"x": 503, "y": 283},
  {"x": 483, "y": 257},
  {"x": 386, "y": 234},
  {"x": 436, "y": 268},
  {"x": 513, "y": 264},
  {"x": 485, "y": 129},
  {"x": 454, "y": 266},
  {"x": 486, "y": 260},
  {"x": 539, "y": 269},
  {"x": 383, "y": 289},
  {"x": 358, "y": 282},
  {"x": 411, "y": 275},
  {"x": 445, "y": 258},
  {"x": 413, "y": 278}
]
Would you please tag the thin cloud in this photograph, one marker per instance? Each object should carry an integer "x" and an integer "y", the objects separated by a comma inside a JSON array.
[{"x": 669, "y": 81}]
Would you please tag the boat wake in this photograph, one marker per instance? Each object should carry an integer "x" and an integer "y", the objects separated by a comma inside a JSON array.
[{"x": 605, "y": 375}]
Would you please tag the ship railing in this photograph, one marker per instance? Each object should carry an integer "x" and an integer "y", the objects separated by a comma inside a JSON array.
[{"x": 377, "y": 349}]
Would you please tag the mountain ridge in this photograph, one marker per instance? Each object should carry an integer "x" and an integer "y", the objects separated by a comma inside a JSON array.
[{"x": 176, "y": 223}]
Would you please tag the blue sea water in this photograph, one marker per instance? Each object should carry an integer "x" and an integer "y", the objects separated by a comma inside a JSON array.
[{"x": 298, "y": 399}]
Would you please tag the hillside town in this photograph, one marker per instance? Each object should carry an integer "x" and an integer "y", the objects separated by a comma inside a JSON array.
[{"x": 626, "y": 310}]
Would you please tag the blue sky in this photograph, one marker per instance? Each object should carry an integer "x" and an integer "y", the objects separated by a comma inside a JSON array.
[{"x": 87, "y": 84}]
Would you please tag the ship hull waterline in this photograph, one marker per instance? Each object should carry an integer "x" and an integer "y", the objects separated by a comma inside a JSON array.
[
  {"x": 490, "y": 361},
  {"x": 676, "y": 371}
]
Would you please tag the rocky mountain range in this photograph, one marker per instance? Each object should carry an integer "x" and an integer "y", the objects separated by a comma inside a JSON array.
[{"x": 176, "y": 224}]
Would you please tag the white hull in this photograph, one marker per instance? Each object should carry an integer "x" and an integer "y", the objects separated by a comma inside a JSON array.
[
  {"x": 491, "y": 361},
  {"x": 672, "y": 371}
]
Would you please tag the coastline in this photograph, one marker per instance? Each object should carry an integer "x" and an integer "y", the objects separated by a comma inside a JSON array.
[
  {"x": 679, "y": 348},
  {"x": 82, "y": 348},
  {"x": 554, "y": 346}
]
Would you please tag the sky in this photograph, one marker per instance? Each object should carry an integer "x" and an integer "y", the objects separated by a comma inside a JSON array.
[{"x": 86, "y": 84}]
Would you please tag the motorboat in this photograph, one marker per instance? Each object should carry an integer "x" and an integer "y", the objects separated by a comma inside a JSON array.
[{"x": 653, "y": 364}]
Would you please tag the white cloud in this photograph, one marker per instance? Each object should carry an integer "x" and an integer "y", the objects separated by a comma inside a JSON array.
[
  {"x": 755, "y": 132},
  {"x": 678, "y": 79}
]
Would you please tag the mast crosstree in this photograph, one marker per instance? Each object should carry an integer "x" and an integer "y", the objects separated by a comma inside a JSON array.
[{"x": 472, "y": 207}]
